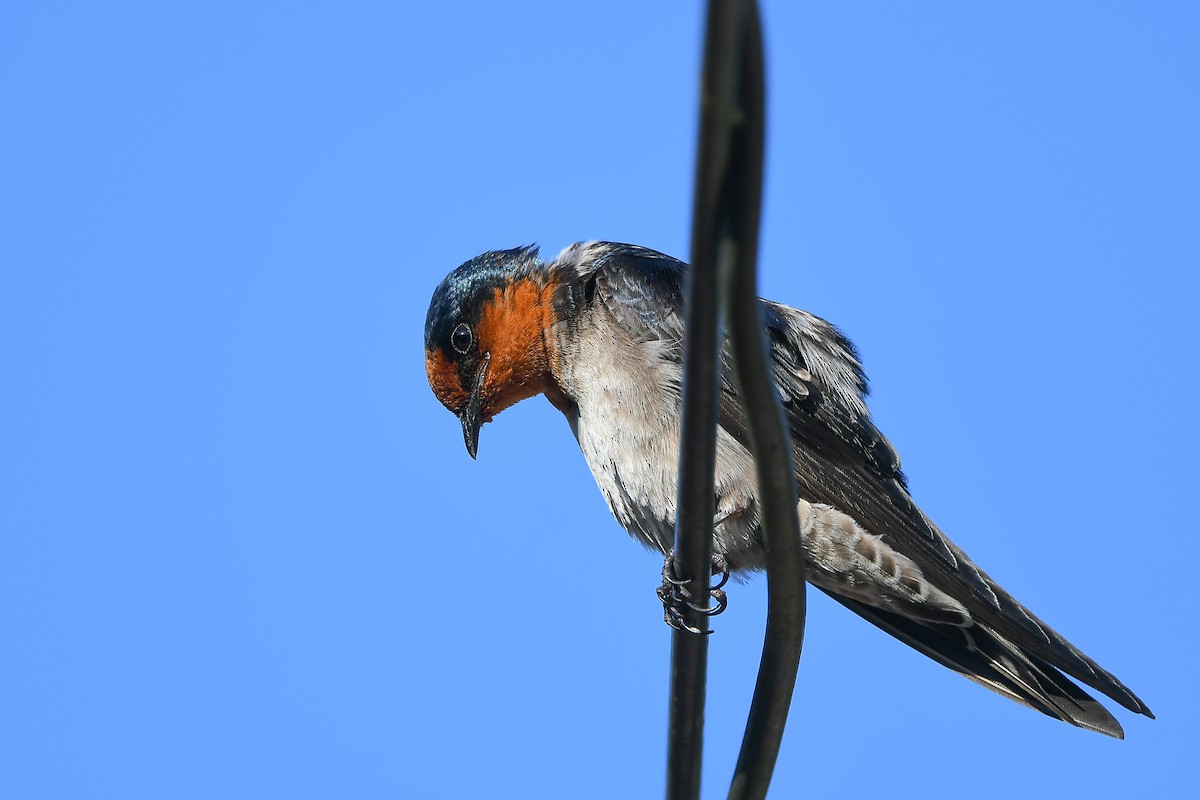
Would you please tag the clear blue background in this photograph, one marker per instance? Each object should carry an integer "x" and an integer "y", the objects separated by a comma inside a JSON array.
[{"x": 244, "y": 553}]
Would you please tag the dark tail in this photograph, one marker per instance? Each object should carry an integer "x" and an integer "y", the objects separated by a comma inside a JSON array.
[{"x": 992, "y": 661}]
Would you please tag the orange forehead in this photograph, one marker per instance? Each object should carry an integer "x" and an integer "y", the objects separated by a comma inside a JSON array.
[{"x": 443, "y": 379}]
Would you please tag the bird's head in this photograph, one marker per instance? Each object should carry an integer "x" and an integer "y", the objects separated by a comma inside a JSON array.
[{"x": 487, "y": 337}]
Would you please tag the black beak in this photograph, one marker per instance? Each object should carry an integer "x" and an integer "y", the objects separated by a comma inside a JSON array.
[{"x": 472, "y": 412}]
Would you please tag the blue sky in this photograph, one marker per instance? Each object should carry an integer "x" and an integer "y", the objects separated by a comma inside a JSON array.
[{"x": 244, "y": 551}]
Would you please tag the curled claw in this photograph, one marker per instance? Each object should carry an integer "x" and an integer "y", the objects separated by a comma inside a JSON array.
[
  {"x": 722, "y": 602},
  {"x": 718, "y": 568},
  {"x": 674, "y": 596},
  {"x": 672, "y": 602},
  {"x": 668, "y": 572}
]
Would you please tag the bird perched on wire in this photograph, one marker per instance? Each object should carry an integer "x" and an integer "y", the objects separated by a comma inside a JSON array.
[{"x": 599, "y": 332}]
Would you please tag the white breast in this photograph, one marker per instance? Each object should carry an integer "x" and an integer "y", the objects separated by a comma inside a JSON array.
[{"x": 627, "y": 425}]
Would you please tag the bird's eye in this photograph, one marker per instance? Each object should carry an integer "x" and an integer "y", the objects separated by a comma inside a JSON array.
[{"x": 461, "y": 339}]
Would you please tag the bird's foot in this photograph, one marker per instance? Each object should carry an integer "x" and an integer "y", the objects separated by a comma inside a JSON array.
[{"x": 676, "y": 598}]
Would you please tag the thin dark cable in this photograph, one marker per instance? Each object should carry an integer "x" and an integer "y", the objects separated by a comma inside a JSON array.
[
  {"x": 701, "y": 390},
  {"x": 725, "y": 224},
  {"x": 720, "y": 218},
  {"x": 769, "y": 440}
]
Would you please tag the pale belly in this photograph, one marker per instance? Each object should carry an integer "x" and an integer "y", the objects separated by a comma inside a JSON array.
[{"x": 629, "y": 436}]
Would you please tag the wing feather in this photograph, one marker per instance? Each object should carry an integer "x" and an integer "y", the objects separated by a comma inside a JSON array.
[{"x": 842, "y": 459}]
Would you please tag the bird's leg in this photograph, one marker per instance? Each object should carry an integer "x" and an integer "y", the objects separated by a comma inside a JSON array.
[{"x": 675, "y": 597}]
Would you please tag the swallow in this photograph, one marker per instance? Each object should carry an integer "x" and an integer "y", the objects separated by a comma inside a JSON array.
[{"x": 599, "y": 332}]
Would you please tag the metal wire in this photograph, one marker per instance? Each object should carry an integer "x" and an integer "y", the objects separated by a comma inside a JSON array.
[
  {"x": 770, "y": 442},
  {"x": 701, "y": 392},
  {"x": 725, "y": 242}
]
